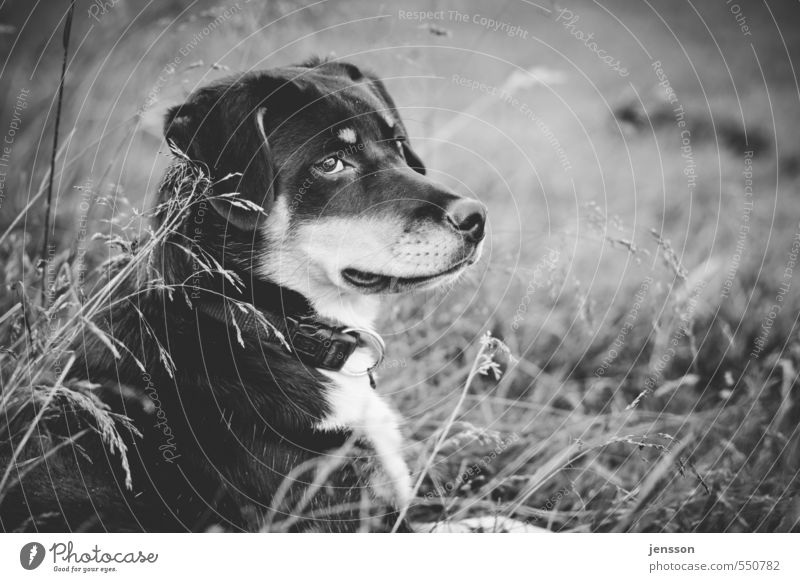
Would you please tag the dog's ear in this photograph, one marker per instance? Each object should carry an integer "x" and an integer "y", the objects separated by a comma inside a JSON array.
[
  {"x": 226, "y": 133},
  {"x": 180, "y": 129}
]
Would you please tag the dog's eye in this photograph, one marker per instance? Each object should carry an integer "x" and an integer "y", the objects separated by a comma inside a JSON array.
[{"x": 332, "y": 165}]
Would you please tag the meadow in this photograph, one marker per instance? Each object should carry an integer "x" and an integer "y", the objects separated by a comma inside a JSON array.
[{"x": 625, "y": 355}]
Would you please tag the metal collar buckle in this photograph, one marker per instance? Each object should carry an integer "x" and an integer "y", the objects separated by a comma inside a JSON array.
[{"x": 374, "y": 341}]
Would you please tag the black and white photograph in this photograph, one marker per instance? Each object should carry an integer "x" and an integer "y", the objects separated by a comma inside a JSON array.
[{"x": 284, "y": 267}]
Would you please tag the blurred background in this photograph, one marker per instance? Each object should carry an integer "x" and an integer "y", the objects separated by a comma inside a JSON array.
[{"x": 640, "y": 163}]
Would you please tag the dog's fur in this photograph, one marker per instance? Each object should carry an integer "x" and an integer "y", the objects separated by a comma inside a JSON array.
[{"x": 238, "y": 433}]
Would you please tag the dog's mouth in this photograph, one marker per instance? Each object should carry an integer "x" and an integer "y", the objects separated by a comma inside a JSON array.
[{"x": 367, "y": 282}]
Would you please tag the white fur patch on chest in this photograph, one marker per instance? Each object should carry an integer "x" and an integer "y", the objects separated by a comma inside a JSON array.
[{"x": 359, "y": 408}]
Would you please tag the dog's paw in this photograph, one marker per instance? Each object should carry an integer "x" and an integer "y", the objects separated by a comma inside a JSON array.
[
  {"x": 390, "y": 482},
  {"x": 480, "y": 524}
]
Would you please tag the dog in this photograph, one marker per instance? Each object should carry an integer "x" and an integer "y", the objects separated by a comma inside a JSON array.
[{"x": 252, "y": 385}]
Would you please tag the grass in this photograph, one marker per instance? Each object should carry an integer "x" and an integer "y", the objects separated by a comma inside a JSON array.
[{"x": 632, "y": 391}]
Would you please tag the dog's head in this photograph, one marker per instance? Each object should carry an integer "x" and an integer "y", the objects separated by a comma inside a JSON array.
[{"x": 347, "y": 209}]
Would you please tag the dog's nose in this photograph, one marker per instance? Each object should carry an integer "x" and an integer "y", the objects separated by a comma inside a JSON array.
[{"x": 468, "y": 216}]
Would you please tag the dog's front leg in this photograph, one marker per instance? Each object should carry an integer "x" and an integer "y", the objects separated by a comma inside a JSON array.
[{"x": 357, "y": 407}]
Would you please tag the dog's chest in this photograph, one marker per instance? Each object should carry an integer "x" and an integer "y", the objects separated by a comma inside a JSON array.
[{"x": 354, "y": 405}]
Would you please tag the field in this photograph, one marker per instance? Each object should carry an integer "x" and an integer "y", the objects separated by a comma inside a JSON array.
[{"x": 625, "y": 355}]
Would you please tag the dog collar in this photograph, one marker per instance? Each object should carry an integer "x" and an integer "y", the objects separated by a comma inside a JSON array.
[
  {"x": 329, "y": 348},
  {"x": 314, "y": 343}
]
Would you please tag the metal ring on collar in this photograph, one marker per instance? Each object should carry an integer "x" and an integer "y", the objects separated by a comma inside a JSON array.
[{"x": 374, "y": 341}]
